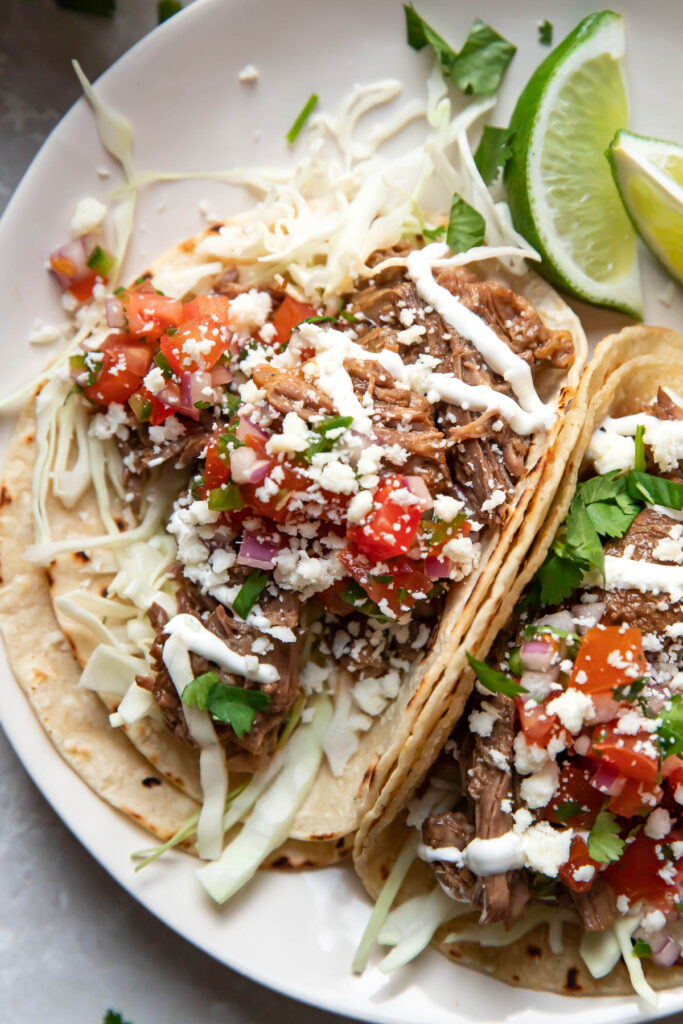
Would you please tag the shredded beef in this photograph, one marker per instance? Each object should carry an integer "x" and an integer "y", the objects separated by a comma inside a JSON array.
[
  {"x": 451, "y": 829},
  {"x": 596, "y": 906}
]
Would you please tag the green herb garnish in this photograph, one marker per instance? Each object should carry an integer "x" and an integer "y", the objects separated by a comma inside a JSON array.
[
  {"x": 230, "y": 704},
  {"x": 113, "y": 1017},
  {"x": 478, "y": 68},
  {"x": 226, "y": 499},
  {"x": 202, "y": 405},
  {"x": 493, "y": 152},
  {"x": 496, "y": 682},
  {"x": 466, "y": 226},
  {"x": 163, "y": 364},
  {"x": 101, "y": 261},
  {"x": 545, "y": 33},
  {"x": 669, "y": 733},
  {"x": 167, "y": 8},
  {"x": 655, "y": 490},
  {"x": 302, "y": 117},
  {"x": 515, "y": 663},
  {"x": 231, "y": 403},
  {"x": 604, "y": 842},
  {"x": 354, "y": 595},
  {"x": 639, "y": 460},
  {"x": 569, "y": 809},
  {"x": 642, "y": 949},
  {"x": 325, "y": 443},
  {"x": 630, "y": 691},
  {"x": 249, "y": 592}
]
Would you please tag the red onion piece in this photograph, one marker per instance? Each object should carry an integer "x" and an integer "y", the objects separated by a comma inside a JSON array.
[
  {"x": 171, "y": 397},
  {"x": 604, "y": 709},
  {"x": 246, "y": 467},
  {"x": 71, "y": 260},
  {"x": 256, "y": 553},
  {"x": 537, "y": 655},
  {"x": 608, "y": 780},
  {"x": 438, "y": 568},
  {"x": 665, "y": 950},
  {"x": 589, "y": 614},
  {"x": 116, "y": 313},
  {"x": 558, "y": 620},
  {"x": 245, "y": 428},
  {"x": 192, "y": 387},
  {"x": 418, "y": 488},
  {"x": 220, "y": 374}
]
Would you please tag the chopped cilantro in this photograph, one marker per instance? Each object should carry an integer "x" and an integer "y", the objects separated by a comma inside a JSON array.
[
  {"x": 668, "y": 852},
  {"x": 249, "y": 592},
  {"x": 301, "y": 119},
  {"x": 113, "y": 1017},
  {"x": 232, "y": 403},
  {"x": 231, "y": 704},
  {"x": 604, "y": 842},
  {"x": 171, "y": 330},
  {"x": 629, "y": 691},
  {"x": 639, "y": 461},
  {"x": 82, "y": 364},
  {"x": 542, "y": 887},
  {"x": 655, "y": 490},
  {"x": 163, "y": 364},
  {"x": 493, "y": 152},
  {"x": 103, "y": 8},
  {"x": 466, "y": 226},
  {"x": 167, "y": 8},
  {"x": 101, "y": 261},
  {"x": 515, "y": 663},
  {"x": 582, "y": 537},
  {"x": 496, "y": 682},
  {"x": 226, "y": 499},
  {"x": 354, "y": 595},
  {"x": 669, "y": 734},
  {"x": 569, "y": 809},
  {"x": 545, "y": 629},
  {"x": 202, "y": 405},
  {"x": 432, "y": 234},
  {"x": 325, "y": 443},
  {"x": 196, "y": 488},
  {"x": 228, "y": 441},
  {"x": 545, "y": 33},
  {"x": 481, "y": 63},
  {"x": 641, "y": 948}
]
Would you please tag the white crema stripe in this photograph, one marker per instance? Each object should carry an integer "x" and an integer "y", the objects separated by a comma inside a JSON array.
[
  {"x": 200, "y": 640},
  {"x": 539, "y": 847},
  {"x": 498, "y": 355},
  {"x": 633, "y": 574}
]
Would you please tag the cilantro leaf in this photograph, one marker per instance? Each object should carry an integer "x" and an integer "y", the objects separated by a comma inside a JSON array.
[
  {"x": 103, "y": 8},
  {"x": 602, "y": 488},
  {"x": 568, "y": 810},
  {"x": 609, "y": 519},
  {"x": 639, "y": 460},
  {"x": 481, "y": 63},
  {"x": 515, "y": 663},
  {"x": 354, "y": 595},
  {"x": 545, "y": 33},
  {"x": 167, "y": 8},
  {"x": 582, "y": 537},
  {"x": 493, "y": 152},
  {"x": 496, "y": 682},
  {"x": 249, "y": 592},
  {"x": 113, "y": 1017},
  {"x": 302, "y": 117},
  {"x": 466, "y": 226},
  {"x": 230, "y": 704},
  {"x": 559, "y": 577},
  {"x": 641, "y": 948},
  {"x": 604, "y": 842},
  {"x": 669, "y": 734},
  {"x": 630, "y": 691},
  {"x": 655, "y": 490}
]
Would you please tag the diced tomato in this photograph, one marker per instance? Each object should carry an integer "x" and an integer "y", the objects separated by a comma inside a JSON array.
[
  {"x": 290, "y": 313},
  {"x": 124, "y": 364},
  {"x": 634, "y": 798},
  {"x": 608, "y": 657},
  {"x": 537, "y": 725},
  {"x": 574, "y": 785},
  {"x": 632, "y": 756},
  {"x": 196, "y": 345},
  {"x": 293, "y": 482},
  {"x": 389, "y": 528},
  {"x": 332, "y": 601},
  {"x": 82, "y": 289},
  {"x": 214, "y": 306},
  {"x": 636, "y": 873},
  {"x": 578, "y": 858},
  {"x": 144, "y": 399},
  {"x": 216, "y": 467},
  {"x": 150, "y": 314},
  {"x": 401, "y": 587}
]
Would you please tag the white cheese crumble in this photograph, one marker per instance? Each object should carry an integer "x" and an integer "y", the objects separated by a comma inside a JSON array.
[
  {"x": 87, "y": 216},
  {"x": 538, "y": 789},
  {"x": 610, "y": 451},
  {"x": 496, "y": 499},
  {"x": 249, "y": 311},
  {"x": 658, "y": 824},
  {"x": 248, "y": 74},
  {"x": 447, "y": 508},
  {"x": 294, "y": 436},
  {"x": 573, "y": 708},
  {"x": 359, "y": 506}
]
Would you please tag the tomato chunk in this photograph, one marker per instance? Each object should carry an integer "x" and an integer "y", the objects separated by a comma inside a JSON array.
[
  {"x": 213, "y": 306},
  {"x": 397, "y": 590},
  {"x": 537, "y": 725},
  {"x": 196, "y": 345},
  {"x": 607, "y": 658},
  {"x": 634, "y": 798},
  {"x": 579, "y": 860},
  {"x": 82, "y": 289},
  {"x": 389, "y": 527},
  {"x": 637, "y": 872},
  {"x": 124, "y": 364},
  {"x": 150, "y": 314},
  {"x": 216, "y": 467},
  {"x": 632, "y": 756},
  {"x": 574, "y": 788},
  {"x": 288, "y": 316}
]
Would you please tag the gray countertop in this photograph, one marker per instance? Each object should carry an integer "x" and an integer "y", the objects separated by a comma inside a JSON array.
[{"x": 72, "y": 943}]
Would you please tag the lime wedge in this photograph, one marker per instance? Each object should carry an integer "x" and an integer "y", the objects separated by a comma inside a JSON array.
[
  {"x": 649, "y": 176},
  {"x": 561, "y": 194}
]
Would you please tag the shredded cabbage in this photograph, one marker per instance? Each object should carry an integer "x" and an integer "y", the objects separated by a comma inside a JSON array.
[
  {"x": 497, "y": 935},
  {"x": 623, "y": 929},
  {"x": 410, "y": 928},
  {"x": 136, "y": 704},
  {"x": 397, "y": 875},
  {"x": 600, "y": 951},
  {"x": 109, "y": 670}
]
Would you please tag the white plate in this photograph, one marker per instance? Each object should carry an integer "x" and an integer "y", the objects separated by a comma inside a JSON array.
[{"x": 180, "y": 88}]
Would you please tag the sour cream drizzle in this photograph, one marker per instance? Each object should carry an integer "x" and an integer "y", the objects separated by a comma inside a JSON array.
[
  {"x": 507, "y": 852},
  {"x": 633, "y": 574},
  {"x": 199, "y": 640}
]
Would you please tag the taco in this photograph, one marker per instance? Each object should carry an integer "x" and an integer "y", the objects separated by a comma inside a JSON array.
[{"x": 547, "y": 840}]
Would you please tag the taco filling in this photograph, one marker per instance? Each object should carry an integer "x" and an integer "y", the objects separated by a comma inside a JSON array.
[{"x": 561, "y": 787}]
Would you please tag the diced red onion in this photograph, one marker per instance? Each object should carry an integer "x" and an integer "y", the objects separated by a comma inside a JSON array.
[
  {"x": 418, "y": 488},
  {"x": 438, "y": 568},
  {"x": 656, "y": 699},
  {"x": 538, "y": 683},
  {"x": 537, "y": 655},
  {"x": 604, "y": 710},
  {"x": 192, "y": 387},
  {"x": 171, "y": 398},
  {"x": 255, "y": 553},
  {"x": 220, "y": 374},
  {"x": 665, "y": 950},
  {"x": 588, "y": 614},
  {"x": 558, "y": 620},
  {"x": 582, "y": 745},
  {"x": 246, "y": 467},
  {"x": 245, "y": 428},
  {"x": 607, "y": 779},
  {"x": 77, "y": 257},
  {"x": 116, "y": 313}
]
